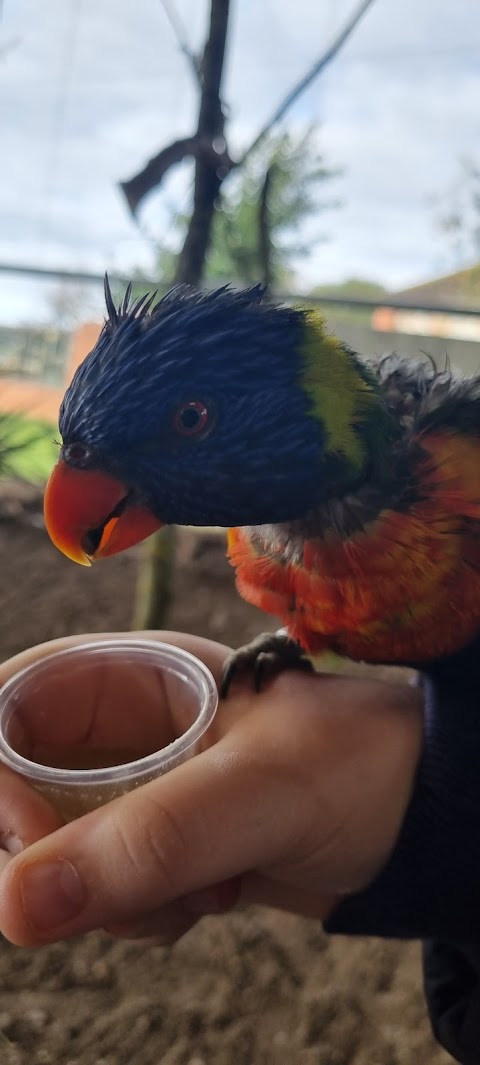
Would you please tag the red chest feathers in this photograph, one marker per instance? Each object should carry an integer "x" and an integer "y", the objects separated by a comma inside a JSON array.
[{"x": 406, "y": 588}]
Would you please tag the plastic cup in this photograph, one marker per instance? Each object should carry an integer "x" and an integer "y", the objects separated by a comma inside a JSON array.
[{"x": 89, "y": 723}]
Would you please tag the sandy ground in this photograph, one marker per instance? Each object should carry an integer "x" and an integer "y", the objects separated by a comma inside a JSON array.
[{"x": 254, "y": 988}]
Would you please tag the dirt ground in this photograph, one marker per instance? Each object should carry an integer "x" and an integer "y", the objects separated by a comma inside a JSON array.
[{"x": 254, "y": 988}]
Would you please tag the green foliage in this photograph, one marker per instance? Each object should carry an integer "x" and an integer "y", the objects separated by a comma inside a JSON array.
[
  {"x": 297, "y": 171},
  {"x": 356, "y": 287},
  {"x": 27, "y": 448},
  {"x": 353, "y": 286}
]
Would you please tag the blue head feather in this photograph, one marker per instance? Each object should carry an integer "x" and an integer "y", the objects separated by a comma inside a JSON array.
[{"x": 257, "y": 459}]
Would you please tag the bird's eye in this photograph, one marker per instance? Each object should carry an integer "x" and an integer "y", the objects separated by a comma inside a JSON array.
[
  {"x": 77, "y": 454},
  {"x": 191, "y": 418}
]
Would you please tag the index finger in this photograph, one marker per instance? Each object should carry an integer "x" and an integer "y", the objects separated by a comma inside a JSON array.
[{"x": 213, "y": 654}]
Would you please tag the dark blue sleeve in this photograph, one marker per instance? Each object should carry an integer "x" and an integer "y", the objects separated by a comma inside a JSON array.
[
  {"x": 430, "y": 887},
  {"x": 452, "y": 989}
]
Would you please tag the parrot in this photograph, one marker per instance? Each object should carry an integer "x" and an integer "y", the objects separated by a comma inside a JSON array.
[{"x": 350, "y": 487}]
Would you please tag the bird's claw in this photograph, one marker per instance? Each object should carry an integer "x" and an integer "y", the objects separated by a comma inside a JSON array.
[{"x": 264, "y": 657}]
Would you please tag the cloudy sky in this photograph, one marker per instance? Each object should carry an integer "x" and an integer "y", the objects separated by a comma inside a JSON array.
[{"x": 90, "y": 89}]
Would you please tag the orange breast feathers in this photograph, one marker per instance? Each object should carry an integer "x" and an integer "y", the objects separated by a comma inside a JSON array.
[{"x": 404, "y": 589}]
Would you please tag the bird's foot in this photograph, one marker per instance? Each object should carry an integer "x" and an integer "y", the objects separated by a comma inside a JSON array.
[{"x": 265, "y": 656}]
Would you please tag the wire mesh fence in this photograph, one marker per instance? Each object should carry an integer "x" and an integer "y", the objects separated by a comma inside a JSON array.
[{"x": 54, "y": 315}]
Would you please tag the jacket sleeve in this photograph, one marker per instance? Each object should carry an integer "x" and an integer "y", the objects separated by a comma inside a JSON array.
[
  {"x": 452, "y": 989},
  {"x": 430, "y": 887}
]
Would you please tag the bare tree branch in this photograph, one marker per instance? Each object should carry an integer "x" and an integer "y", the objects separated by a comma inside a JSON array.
[
  {"x": 264, "y": 240},
  {"x": 135, "y": 189},
  {"x": 303, "y": 84},
  {"x": 202, "y": 145},
  {"x": 153, "y": 173}
]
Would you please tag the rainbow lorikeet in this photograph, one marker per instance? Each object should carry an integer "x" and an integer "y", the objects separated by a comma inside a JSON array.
[{"x": 351, "y": 489}]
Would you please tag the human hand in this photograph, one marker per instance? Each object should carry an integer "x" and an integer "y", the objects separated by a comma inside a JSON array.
[{"x": 297, "y": 799}]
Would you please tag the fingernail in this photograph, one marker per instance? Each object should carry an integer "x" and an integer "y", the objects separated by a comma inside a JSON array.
[{"x": 52, "y": 893}]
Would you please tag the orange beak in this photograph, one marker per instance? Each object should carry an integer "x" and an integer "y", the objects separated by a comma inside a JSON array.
[{"x": 88, "y": 515}]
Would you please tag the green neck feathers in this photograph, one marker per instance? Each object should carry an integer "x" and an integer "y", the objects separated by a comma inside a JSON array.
[{"x": 347, "y": 400}]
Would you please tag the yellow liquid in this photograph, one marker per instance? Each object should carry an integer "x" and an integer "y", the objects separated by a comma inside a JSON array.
[
  {"x": 87, "y": 756},
  {"x": 72, "y": 801}
]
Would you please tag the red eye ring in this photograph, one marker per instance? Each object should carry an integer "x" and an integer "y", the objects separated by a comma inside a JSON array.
[{"x": 191, "y": 418}]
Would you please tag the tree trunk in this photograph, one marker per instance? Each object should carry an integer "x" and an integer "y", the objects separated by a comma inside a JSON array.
[
  {"x": 155, "y": 587},
  {"x": 155, "y": 582},
  {"x": 208, "y": 177}
]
